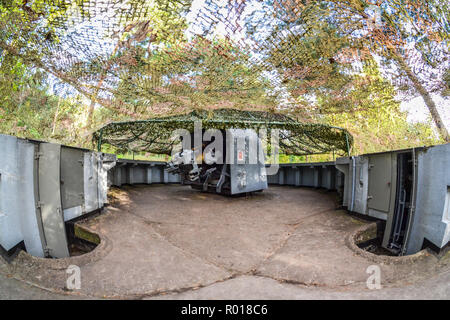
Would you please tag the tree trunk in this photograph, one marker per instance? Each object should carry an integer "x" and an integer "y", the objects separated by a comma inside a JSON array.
[
  {"x": 56, "y": 116},
  {"x": 425, "y": 95},
  {"x": 99, "y": 85},
  {"x": 93, "y": 101}
]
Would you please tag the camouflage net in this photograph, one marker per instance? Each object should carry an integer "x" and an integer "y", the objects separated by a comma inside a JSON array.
[
  {"x": 154, "y": 135},
  {"x": 143, "y": 59},
  {"x": 138, "y": 56}
]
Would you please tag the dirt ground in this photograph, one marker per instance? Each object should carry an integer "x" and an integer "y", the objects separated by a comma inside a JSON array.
[{"x": 169, "y": 241}]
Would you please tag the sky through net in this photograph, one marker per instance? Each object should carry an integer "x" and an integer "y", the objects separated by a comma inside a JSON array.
[{"x": 146, "y": 59}]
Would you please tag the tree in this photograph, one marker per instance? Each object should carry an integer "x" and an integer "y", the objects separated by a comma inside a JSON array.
[
  {"x": 410, "y": 37},
  {"x": 162, "y": 24},
  {"x": 29, "y": 109},
  {"x": 39, "y": 33},
  {"x": 376, "y": 121},
  {"x": 311, "y": 64}
]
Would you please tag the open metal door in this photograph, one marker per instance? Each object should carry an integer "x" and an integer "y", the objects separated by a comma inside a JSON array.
[{"x": 50, "y": 200}]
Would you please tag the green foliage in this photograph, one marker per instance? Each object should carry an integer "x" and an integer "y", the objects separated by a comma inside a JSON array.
[
  {"x": 28, "y": 110},
  {"x": 312, "y": 60},
  {"x": 374, "y": 117}
]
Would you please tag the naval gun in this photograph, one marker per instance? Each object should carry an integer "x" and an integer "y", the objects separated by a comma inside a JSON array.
[
  {"x": 235, "y": 165},
  {"x": 240, "y": 165}
]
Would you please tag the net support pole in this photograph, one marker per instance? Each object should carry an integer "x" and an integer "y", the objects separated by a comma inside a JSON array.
[
  {"x": 99, "y": 141},
  {"x": 348, "y": 145}
]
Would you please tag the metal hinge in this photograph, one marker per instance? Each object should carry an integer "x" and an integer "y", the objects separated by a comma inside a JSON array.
[
  {"x": 37, "y": 155},
  {"x": 47, "y": 251}
]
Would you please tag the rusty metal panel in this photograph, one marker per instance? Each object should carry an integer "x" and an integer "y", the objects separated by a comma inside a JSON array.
[{"x": 50, "y": 200}]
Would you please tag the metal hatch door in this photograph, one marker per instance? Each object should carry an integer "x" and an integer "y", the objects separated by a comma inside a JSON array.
[
  {"x": 50, "y": 200},
  {"x": 72, "y": 182},
  {"x": 380, "y": 177},
  {"x": 247, "y": 171}
]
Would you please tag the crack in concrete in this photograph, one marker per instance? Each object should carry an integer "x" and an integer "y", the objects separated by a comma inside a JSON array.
[
  {"x": 285, "y": 240},
  {"x": 230, "y": 270},
  {"x": 185, "y": 251},
  {"x": 234, "y": 273}
]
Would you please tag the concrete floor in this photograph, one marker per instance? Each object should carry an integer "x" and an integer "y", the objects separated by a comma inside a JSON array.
[{"x": 169, "y": 241}]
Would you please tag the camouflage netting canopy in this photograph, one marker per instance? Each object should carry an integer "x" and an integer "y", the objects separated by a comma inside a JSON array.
[
  {"x": 148, "y": 57},
  {"x": 142, "y": 59},
  {"x": 155, "y": 135}
]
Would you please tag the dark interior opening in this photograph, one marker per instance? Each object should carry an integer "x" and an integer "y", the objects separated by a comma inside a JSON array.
[
  {"x": 402, "y": 202},
  {"x": 374, "y": 244},
  {"x": 80, "y": 240},
  {"x": 11, "y": 254}
]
